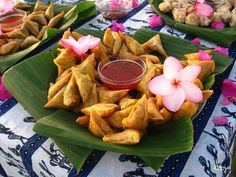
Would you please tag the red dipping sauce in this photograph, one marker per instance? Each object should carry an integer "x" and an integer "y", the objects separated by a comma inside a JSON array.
[
  {"x": 121, "y": 74},
  {"x": 12, "y": 20}
]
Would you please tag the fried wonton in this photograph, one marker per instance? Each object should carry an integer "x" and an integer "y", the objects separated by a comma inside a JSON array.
[
  {"x": 8, "y": 48},
  {"x": 88, "y": 67},
  {"x": 115, "y": 119},
  {"x": 108, "y": 40},
  {"x": 23, "y": 6},
  {"x": 42, "y": 32},
  {"x": 207, "y": 67},
  {"x": 127, "y": 137},
  {"x": 92, "y": 99},
  {"x": 138, "y": 117},
  {"x": 100, "y": 52},
  {"x": 128, "y": 55},
  {"x": 151, "y": 72},
  {"x": 29, "y": 41},
  {"x": 127, "y": 102},
  {"x": 39, "y": 6},
  {"x": 83, "y": 120},
  {"x": 33, "y": 27},
  {"x": 187, "y": 110},
  {"x": 124, "y": 49},
  {"x": 154, "y": 59},
  {"x": 39, "y": 18},
  {"x": 112, "y": 96},
  {"x": 134, "y": 46},
  {"x": 97, "y": 125},
  {"x": 84, "y": 84},
  {"x": 155, "y": 44},
  {"x": 16, "y": 33},
  {"x": 58, "y": 85},
  {"x": 166, "y": 114},
  {"x": 104, "y": 109},
  {"x": 55, "y": 20},
  {"x": 71, "y": 94},
  {"x": 57, "y": 100},
  {"x": 49, "y": 13},
  {"x": 194, "y": 56},
  {"x": 117, "y": 43},
  {"x": 66, "y": 59},
  {"x": 153, "y": 113}
]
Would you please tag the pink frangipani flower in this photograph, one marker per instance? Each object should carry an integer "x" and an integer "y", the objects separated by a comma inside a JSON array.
[
  {"x": 222, "y": 50},
  {"x": 4, "y": 94},
  {"x": 203, "y": 9},
  {"x": 229, "y": 92},
  {"x": 204, "y": 56},
  {"x": 6, "y": 6},
  {"x": 217, "y": 25},
  {"x": 115, "y": 4},
  {"x": 135, "y": 4},
  {"x": 196, "y": 40},
  {"x": 220, "y": 120},
  {"x": 155, "y": 21},
  {"x": 176, "y": 84},
  {"x": 117, "y": 27},
  {"x": 228, "y": 88},
  {"x": 82, "y": 45}
]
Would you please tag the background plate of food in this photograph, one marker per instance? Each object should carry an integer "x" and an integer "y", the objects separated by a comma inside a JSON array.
[
  {"x": 32, "y": 24},
  {"x": 215, "y": 22},
  {"x": 72, "y": 105}
]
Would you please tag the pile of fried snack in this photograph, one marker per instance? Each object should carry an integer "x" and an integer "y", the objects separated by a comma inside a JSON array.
[
  {"x": 33, "y": 29},
  {"x": 183, "y": 12},
  {"x": 115, "y": 115}
]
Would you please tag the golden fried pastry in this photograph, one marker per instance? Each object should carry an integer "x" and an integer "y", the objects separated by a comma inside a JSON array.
[
  {"x": 17, "y": 33},
  {"x": 83, "y": 120},
  {"x": 97, "y": 125},
  {"x": 127, "y": 102},
  {"x": 29, "y": 41},
  {"x": 138, "y": 117},
  {"x": 155, "y": 44},
  {"x": 128, "y": 137},
  {"x": 154, "y": 59},
  {"x": 108, "y": 40},
  {"x": 8, "y": 48},
  {"x": 33, "y": 27},
  {"x": 124, "y": 49},
  {"x": 42, "y": 32},
  {"x": 100, "y": 52},
  {"x": 117, "y": 43},
  {"x": 39, "y": 18},
  {"x": 23, "y": 6},
  {"x": 104, "y": 109},
  {"x": 55, "y": 20},
  {"x": 134, "y": 46},
  {"x": 153, "y": 113},
  {"x": 57, "y": 100},
  {"x": 112, "y": 96},
  {"x": 66, "y": 59},
  {"x": 115, "y": 120},
  {"x": 71, "y": 96},
  {"x": 187, "y": 110},
  {"x": 84, "y": 84},
  {"x": 49, "y": 13},
  {"x": 39, "y": 6},
  {"x": 207, "y": 94}
]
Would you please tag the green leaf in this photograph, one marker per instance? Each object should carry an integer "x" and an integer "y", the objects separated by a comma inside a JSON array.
[
  {"x": 154, "y": 162},
  {"x": 222, "y": 37},
  {"x": 207, "y": 84},
  {"x": 80, "y": 11}
]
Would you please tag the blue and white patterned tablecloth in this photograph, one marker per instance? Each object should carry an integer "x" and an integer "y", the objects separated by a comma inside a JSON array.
[{"x": 26, "y": 153}]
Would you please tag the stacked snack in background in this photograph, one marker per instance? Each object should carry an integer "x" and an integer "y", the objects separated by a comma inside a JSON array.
[
  {"x": 30, "y": 30},
  {"x": 201, "y": 13}
]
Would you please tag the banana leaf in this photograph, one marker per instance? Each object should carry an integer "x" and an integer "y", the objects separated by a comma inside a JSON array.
[
  {"x": 81, "y": 11},
  {"x": 35, "y": 75},
  {"x": 222, "y": 37}
]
